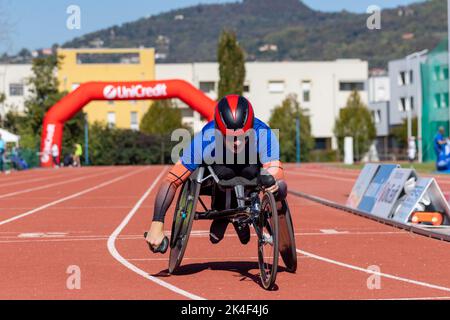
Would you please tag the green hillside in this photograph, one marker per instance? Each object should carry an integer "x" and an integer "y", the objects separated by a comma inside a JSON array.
[{"x": 291, "y": 29}]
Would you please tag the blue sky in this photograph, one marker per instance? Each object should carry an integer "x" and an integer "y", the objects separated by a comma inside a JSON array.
[{"x": 41, "y": 23}]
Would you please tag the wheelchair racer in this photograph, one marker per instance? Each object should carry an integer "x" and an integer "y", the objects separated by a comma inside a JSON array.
[{"x": 242, "y": 136}]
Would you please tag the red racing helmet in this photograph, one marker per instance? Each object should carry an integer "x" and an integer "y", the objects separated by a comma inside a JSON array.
[{"x": 234, "y": 115}]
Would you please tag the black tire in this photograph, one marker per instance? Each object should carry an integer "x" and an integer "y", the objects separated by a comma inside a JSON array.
[
  {"x": 288, "y": 248},
  {"x": 182, "y": 223},
  {"x": 268, "y": 229}
]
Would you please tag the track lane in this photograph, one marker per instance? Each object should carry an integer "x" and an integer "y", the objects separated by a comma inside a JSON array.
[
  {"x": 232, "y": 274},
  {"x": 31, "y": 277},
  {"x": 233, "y": 278}
]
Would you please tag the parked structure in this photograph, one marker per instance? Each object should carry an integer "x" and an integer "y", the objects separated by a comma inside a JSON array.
[
  {"x": 83, "y": 65},
  {"x": 379, "y": 103},
  {"x": 14, "y": 85},
  {"x": 321, "y": 87}
]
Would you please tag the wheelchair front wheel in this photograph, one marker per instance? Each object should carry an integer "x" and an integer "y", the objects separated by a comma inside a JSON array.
[
  {"x": 268, "y": 249},
  {"x": 182, "y": 223}
]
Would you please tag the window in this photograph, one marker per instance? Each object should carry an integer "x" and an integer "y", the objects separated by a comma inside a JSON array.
[
  {"x": 437, "y": 100},
  {"x": 402, "y": 78},
  {"x": 437, "y": 73},
  {"x": 445, "y": 72},
  {"x": 208, "y": 86},
  {"x": 111, "y": 119},
  {"x": 411, "y": 103},
  {"x": 16, "y": 90},
  {"x": 134, "y": 123},
  {"x": 444, "y": 100},
  {"x": 351, "y": 86},
  {"x": 246, "y": 88},
  {"x": 276, "y": 86},
  {"x": 320, "y": 144},
  {"x": 376, "y": 115},
  {"x": 441, "y": 100},
  {"x": 306, "y": 91},
  {"x": 402, "y": 104},
  {"x": 411, "y": 77},
  {"x": 109, "y": 58}
]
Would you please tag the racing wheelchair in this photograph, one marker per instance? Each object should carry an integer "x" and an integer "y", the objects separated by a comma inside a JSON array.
[{"x": 255, "y": 207}]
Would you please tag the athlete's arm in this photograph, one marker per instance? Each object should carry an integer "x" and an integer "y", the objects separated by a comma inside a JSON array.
[
  {"x": 174, "y": 179},
  {"x": 269, "y": 154},
  {"x": 189, "y": 162}
]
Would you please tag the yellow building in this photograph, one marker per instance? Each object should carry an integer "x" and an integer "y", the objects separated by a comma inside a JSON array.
[{"x": 82, "y": 65}]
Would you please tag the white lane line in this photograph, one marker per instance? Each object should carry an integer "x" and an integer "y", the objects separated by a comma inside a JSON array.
[
  {"x": 339, "y": 174},
  {"x": 381, "y": 274},
  {"x": 30, "y": 174},
  {"x": 209, "y": 259},
  {"x": 319, "y": 176},
  {"x": 39, "y": 235},
  {"x": 419, "y": 298},
  {"x": 333, "y": 231},
  {"x": 68, "y": 238},
  {"x": 113, "y": 250},
  {"x": 75, "y": 207},
  {"x": 311, "y": 173},
  {"x": 47, "y": 186},
  {"x": 73, "y": 196},
  {"x": 31, "y": 180}
]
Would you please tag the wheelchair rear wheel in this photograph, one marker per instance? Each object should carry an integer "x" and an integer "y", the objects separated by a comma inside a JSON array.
[{"x": 288, "y": 249}]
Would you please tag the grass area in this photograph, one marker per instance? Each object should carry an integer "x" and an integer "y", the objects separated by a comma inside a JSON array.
[{"x": 427, "y": 167}]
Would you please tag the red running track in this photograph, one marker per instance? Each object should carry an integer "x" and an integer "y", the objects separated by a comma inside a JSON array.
[{"x": 94, "y": 218}]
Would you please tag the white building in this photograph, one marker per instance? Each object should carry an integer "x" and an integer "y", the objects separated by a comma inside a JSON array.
[
  {"x": 13, "y": 83},
  {"x": 379, "y": 89},
  {"x": 321, "y": 87}
]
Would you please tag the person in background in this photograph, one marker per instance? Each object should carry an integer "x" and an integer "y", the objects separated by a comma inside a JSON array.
[
  {"x": 2, "y": 152},
  {"x": 77, "y": 155},
  {"x": 412, "y": 149},
  {"x": 439, "y": 142},
  {"x": 55, "y": 155}
]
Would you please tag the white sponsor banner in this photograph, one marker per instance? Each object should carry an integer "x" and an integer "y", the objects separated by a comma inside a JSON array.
[
  {"x": 426, "y": 196},
  {"x": 139, "y": 91},
  {"x": 391, "y": 192},
  {"x": 48, "y": 142},
  {"x": 361, "y": 184}
]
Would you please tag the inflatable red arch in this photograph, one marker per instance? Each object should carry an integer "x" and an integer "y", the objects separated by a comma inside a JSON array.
[{"x": 67, "y": 107}]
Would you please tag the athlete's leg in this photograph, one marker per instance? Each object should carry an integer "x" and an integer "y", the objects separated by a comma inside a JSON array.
[{"x": 219, "y": 202}]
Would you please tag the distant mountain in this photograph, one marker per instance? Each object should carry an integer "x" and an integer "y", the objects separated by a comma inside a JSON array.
[{"x": 280, "y": 30}]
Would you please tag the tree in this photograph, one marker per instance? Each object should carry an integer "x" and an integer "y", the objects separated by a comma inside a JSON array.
[
  {"x": 284, "y": 117},
  {"x": 44, "y": 94},
  {"x": 2, "y": 101},
  {"x": 161, "y": 119},
  {"x": 355, "y": 120},
  {"x": 400, "y": 133},
  {"x": 13, "y": 122},
  {"x": 112, "y": 146},
  {"x": 231, "y": 59}
]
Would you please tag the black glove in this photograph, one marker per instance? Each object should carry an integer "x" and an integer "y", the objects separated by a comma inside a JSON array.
[
  {"x": 162, "y": 248},
  {"x": 266, "y": 180}
]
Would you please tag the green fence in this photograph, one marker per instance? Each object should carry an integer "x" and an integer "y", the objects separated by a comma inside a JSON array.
[{"x": 435, "y": 90}]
